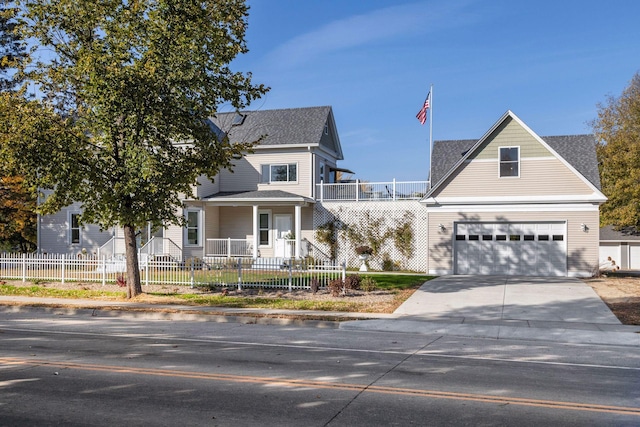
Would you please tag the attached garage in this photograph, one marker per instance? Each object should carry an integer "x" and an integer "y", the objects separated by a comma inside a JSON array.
[{"x": 501, "y": 248}]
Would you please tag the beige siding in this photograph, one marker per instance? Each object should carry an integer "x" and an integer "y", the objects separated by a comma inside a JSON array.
[
  {"x": 540, "y": 170},
  {"x": 582, "y": 247},
  {"x": 538, "y": 177},
  {"x": 246, "y": 175},
  {"x": 511, "y": 134},
  {"x": 212, "y": 222}
]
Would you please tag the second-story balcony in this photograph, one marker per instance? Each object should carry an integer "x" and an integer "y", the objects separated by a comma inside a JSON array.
[{"x": 372, "y": 191}]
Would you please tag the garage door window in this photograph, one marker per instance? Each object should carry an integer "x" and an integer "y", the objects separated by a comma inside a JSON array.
[
  {"x": 543, "y": 237},
  {"x": 460, "y": 237},
  {"x": 558, "y": 237}
]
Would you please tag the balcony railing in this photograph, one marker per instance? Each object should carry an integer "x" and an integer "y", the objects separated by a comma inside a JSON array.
[
  {"x": 366, "y": 191},
  {"x": 229, "y": 247}
]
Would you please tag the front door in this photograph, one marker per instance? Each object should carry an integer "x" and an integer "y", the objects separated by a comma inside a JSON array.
[{"x": 282, "y": 229}]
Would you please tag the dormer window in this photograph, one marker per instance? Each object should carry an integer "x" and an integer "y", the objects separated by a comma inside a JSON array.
[{"x": 509, "y": 162}]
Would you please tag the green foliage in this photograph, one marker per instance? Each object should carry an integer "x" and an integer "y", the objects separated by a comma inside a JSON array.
[
  {"x": 12, "y": 47},
  {"x": 617, "y": 130},
  {"x": 399, "y": 281},
  {"x": 368, "y": 284},
  {"x": 17, "y": 216},
  {"x": 368, "y": 232},
  {"x": 327, "y": 235},
  {"x": 402, "y": 235},
  {"x": 123, "y": 126}
]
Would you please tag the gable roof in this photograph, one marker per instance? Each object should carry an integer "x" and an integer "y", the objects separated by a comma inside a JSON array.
[
  {"x": 577, "y": 150},
  {"x": 282, "y": 127}
]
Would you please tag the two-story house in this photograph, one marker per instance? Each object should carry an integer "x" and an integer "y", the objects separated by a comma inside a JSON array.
[{"x": 264, "y": 207}]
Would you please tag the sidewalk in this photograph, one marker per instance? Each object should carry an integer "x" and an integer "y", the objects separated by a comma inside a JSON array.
[{"x": 565, "y": 332}]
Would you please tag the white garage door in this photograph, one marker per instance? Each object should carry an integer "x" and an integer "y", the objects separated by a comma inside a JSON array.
[
  {"x": 528, "y": 249},
  {"x": 634, "y": 257}
]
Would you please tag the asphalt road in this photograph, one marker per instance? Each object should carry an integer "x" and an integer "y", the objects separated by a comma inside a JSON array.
[{"x": 77, "y": 370}]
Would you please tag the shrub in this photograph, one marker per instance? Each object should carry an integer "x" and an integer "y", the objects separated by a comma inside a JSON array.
[
  {"x": 121, "y": 281},
  {"x": 364, "y": 250},
  {"x": 336, "y": 287},
  {"x": 352, "y": 281},
  {"x": 368, "y": 284}
]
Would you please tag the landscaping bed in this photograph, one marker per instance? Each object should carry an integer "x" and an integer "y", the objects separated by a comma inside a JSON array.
[{"x": 621, "y": 293}]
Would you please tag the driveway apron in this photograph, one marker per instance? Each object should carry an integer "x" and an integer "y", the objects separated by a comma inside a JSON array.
[{"x": 545, "y": 299}]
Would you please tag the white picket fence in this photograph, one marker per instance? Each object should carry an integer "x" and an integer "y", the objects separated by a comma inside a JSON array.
[{"x": 211, "y": 271}]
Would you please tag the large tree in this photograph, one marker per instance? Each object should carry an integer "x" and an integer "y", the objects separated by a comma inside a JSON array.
[
  {"x": 12, "y": 46},
  {"x": 127, "y": 89},
  {"x": 17, "y": 217},
  {"x": 617, "y": 130},
  {"x": 17, "y": 204}
]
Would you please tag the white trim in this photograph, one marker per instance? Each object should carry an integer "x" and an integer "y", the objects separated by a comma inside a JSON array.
[
  {"x": 586, "y": 207},
  {"x": 269, "y": 228},
  {"x": 199, "y": 230},
  {"x": 591, "y": 198},
  {"x": 271, "y": 182},
  {"x": 70, "y": 215}
]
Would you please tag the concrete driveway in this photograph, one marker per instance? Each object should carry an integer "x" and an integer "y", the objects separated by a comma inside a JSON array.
[{"x": 504, "y": 298}]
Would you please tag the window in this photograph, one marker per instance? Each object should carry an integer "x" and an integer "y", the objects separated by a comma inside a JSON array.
[
  {"x": 514, "y": 237},
  {"x": 501, "y": 237},
  {"x": 543, "y": 237},
  {"x": 529, "y": 237},
  {"x": 558, "y": 237},
  {"x": 279, "y": 173},
  {"x": 487, "y": 237},
  {"x": 193, "y": 227},
  {"x": 74, "y": 228},
  {"x": 321, "y": 171},
  {"x": 264, "y": 222},
  {"x": 460, "y": 237},
  {"x": 326, "y": 128},
  {"x": 509, "y": 161},
  {"x": 474, "y": 237}
]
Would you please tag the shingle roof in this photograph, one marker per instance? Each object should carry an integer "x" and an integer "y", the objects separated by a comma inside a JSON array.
[
  {"x": 607, "y": 233},
  {"x": 578, "y": 150},
  {"x": 256, "y": 194},
  {"x": 284, "y": 126}
]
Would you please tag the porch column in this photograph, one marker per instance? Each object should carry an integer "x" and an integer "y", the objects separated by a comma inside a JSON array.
[
  {"x": 298, "y": 227},
  {"x": 256, "y": 232}
]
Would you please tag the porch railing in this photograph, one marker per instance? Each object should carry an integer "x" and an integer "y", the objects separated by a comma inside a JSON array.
[
  {"x": 228, "y": 248},
  {"x": 372, "y": 191},
  {"x": 161, "y": 247}
]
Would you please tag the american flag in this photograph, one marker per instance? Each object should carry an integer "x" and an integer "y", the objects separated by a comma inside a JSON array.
[{"x": 422, "y": 114}]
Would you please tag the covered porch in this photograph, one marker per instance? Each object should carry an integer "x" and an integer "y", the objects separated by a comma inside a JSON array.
[{"x": 253, "y": 224}]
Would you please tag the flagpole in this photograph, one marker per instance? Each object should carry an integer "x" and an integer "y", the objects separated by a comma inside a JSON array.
[{"x": 430, "y": 133}]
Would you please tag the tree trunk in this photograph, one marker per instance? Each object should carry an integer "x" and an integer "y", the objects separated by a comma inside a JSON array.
[{"x": 134, "y": 287}]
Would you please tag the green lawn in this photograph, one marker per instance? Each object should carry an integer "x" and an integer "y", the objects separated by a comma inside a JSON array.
[{"x": 395, "y": 283}]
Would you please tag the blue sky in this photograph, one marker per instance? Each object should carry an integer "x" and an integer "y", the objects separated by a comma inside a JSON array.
[{"x": 550, "y": 62}]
